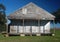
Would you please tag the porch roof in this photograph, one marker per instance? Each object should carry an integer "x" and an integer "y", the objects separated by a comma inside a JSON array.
[{"x": 31, "y": 16}]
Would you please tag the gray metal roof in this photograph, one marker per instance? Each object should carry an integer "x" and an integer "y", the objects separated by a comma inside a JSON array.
[{"x": 33, "y": 12}]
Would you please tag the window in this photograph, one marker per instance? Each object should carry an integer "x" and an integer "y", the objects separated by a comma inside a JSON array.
[{"x": 24, "y": 11}]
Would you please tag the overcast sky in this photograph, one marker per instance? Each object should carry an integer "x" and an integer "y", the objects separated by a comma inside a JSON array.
[{"x": 12, "y": 5}]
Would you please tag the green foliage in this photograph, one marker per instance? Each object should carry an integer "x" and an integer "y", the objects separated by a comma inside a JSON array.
[
  {"x": 2, "y": 7},
  {"x": 55, "y": 38},
  {"x": 2, "y": 18},
  {"x": 57, "y": 15}
]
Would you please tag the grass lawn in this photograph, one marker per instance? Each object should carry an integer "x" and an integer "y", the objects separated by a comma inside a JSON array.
[{"x": 56, "y": 38}]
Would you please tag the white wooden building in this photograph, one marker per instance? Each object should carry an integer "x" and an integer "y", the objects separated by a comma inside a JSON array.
[{"x": 30, "y": 19}]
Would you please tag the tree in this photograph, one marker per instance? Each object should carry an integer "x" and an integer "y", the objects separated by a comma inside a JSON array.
[
  {"x": 2, "y": 18},
  {"x": 57, "y": 15},
  {"x": 2, "y": 7}
]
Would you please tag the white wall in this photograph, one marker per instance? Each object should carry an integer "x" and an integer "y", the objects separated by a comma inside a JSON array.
[
  {"x": 44, "y": 28},
  {"x": 13, "y": 29},
  {"x": 47, "y": 27},
  {"x": 35, "y": 29},
  {"x": 20, "y": 29}
]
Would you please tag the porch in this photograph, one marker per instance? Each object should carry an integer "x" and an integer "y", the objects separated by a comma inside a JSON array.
[{"x": 29, "y": 27}]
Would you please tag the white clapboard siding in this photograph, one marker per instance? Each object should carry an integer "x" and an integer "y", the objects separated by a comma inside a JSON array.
[
  {"x": 21, "y": 29},
  {"x": 27, "y": 29},
  {"x": 41, "y": 29},
  {"x": 37, "y": 29},
  {"x": 47, "y": 28},
  {"x": 33, "y": 29},
  {"x": 13, "y": 29}
]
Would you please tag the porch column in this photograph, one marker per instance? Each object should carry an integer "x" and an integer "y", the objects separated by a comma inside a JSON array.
[
  {"x": 53, "y": 27},
  {"x": 23, "y": 30},
  {"x": 23, "y": 25},
  {"x": 31, "y": 27},
  {"x": 39, "y": 27},
  {"x": 6, "y": 30}
]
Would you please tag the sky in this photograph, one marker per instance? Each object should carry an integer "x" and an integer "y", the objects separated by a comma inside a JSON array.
[
  {"x": 13, "y": 5},
  {"x": 48, "y": 5}
]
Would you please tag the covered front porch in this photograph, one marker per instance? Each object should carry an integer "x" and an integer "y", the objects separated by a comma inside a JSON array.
[{"x": 29, "y": 27}]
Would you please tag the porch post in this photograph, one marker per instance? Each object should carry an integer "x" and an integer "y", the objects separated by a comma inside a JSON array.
[
  {"x": 23, "y": 29},
  {"x": 23, "y": 25},
  {"x": 39, "y": 27},
  {"x": 6, "y": 30},
  {"x": 54, "y": 26},
  {"x": 31, "y": 30}
]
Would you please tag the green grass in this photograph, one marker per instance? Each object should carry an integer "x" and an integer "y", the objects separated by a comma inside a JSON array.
[{"x": 56, "y": 38}]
